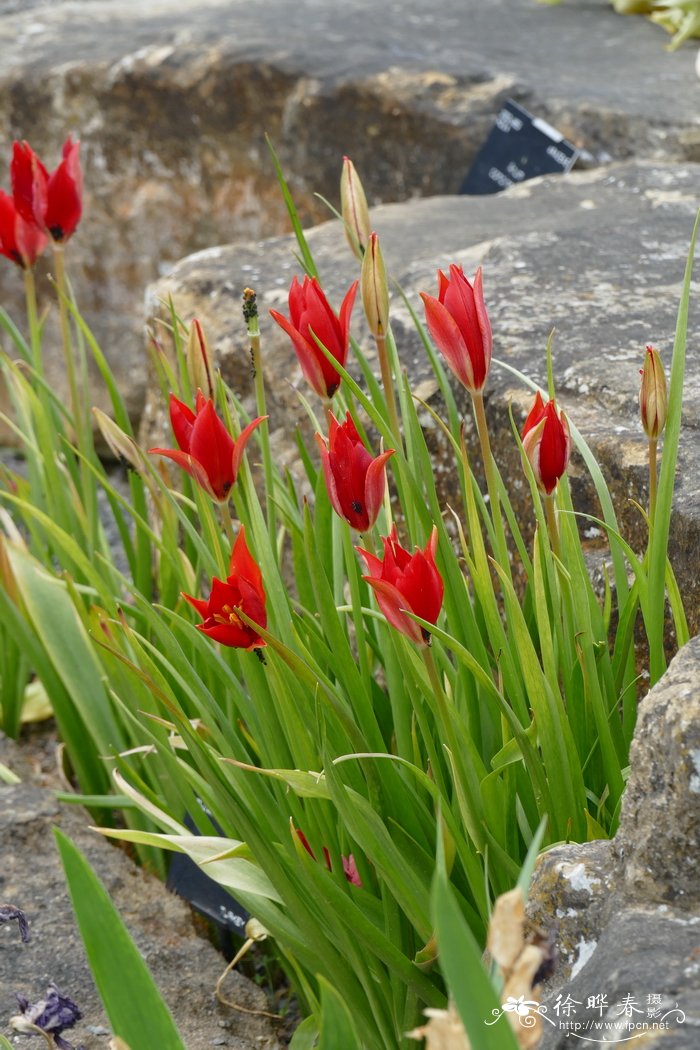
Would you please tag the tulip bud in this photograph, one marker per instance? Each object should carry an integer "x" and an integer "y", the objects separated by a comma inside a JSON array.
[
  {"x": 120, "y": 444},
  {"x": 353, "y": 205},
  {"x": 199, "y": 361},
  {"x": 653, "y": 395},
  {"x": 374, "y": 289},
  {"x": 546, "y": 443}
]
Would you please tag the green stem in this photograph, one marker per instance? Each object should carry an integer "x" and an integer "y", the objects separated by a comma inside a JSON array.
[
  {"x": 440, "y": 698},
  {"x": 388, "y": 384},
  {"x": 62, "y": 287},
  {"x": 250, "y": 314},
  {"x": 33, "y": 321},
  {"x": 653, "y": 442},
  {"x": 228, "y": 525},
  {"x": 550, "y": 507},
  {"x": 491, "y": 474}
]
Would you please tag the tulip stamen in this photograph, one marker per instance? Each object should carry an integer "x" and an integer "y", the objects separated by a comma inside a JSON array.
[{"x": 229, "y": 616}]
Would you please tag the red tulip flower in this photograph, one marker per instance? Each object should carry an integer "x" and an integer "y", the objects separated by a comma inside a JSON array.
[
  {"x": 242, "y": 590},
  {"x": 460, "y": 327},
  {"x": 546, "y": 443},
  {"x": 53, "y": 202},
  {"x": 309, "y": 312},
  {"x": 20, "y": 241},
  {"x": 349, "y": 866},
  {"x": 354, "y": 480},
  {"x": 406, "y": 582},
  {"x": 206, "y": 449}
]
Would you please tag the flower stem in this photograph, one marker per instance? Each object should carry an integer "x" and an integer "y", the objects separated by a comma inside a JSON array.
[
  {"x": 62, "y": 287},
  {"x": 550, "y": 507},
  {"x": 388, "y": 384},
  {"x": 653, "y": 442},
  {"x": 227, "y": 523},
  {"x": 33, "y": 321},
  {"x": 250, "y": 315},
  {"x": 491, "y": 474}
]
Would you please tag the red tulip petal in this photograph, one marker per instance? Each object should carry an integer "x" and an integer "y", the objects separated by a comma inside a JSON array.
[
  {"x": 333, "y": 428},
  {"x": 29, "y": 183},
  {"x": 307, "y": 356},
  {"x": 230, "y": 635},
  {"x": 64, "y": 203},
  {"x": 31, "y": 241},
  {"x": 443, "y": 285},
  {"x": 8, "y": 229},
  {"x": 532, "y": 442},
  {"x": 391, "y": 601},
  {"x": 346, "y": 310},
  {"x": 447, "y": 336},
  {"x": 323, "y": 322},
  {"x": 329, "y": 477},
  {"x": 200, "y": 604},
  {"x": 459, "y": 300},
  {"x": 189, "y": 464},
  {"x": 483, "y": 319},
  {"x": 375, "y": 485},
  {"x": 554, "y": 449},
  {"x": 212, "y": 445},
  {"x": 181, "y": 420},
  {"x": 373, "y": 563},
  {"x": 535, "y": 415},
  {"x": 240, "y": 444},
  {"x": 296, "y": 301},
  {"x": 422, "y": 587},
  {"x": 244, "y": 565},
  {"x": 253, "y": 603}
]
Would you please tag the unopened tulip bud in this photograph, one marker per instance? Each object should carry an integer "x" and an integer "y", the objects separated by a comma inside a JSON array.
[
  {"x": 546, "y": 443},
  {"x": 199, "y": 361},
  {"x": 374, "y": 289},
  {"x": 120, "y": 444},
  {"x": 653, "y": 395},
  {"x": 353, "y": 206}
]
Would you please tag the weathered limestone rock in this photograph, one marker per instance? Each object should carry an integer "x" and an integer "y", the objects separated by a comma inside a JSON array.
[
  {"x": 599, "y": 254},
  {"x": 184, "y": 965},
  {"x": 625, "y": 913},
  {"x": 172, "y": 100}
]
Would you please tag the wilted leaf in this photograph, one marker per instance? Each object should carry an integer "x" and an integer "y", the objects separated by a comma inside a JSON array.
[
  {"x": 444, "y": 1031},
  {"x": 505, "y": 940}
]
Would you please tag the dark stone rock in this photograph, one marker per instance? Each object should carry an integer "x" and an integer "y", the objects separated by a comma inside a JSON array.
[
  {"x": 172, "y": 101},
  {"x": 624, "y": 913},
  {"x": 184, "y": 965}
]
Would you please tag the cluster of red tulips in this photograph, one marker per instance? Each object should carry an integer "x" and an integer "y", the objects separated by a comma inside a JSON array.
[
  {"x": 47, "y": 207},
  {"x": 43, "y": 206},
  {"x": 404, "y": 583}
]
